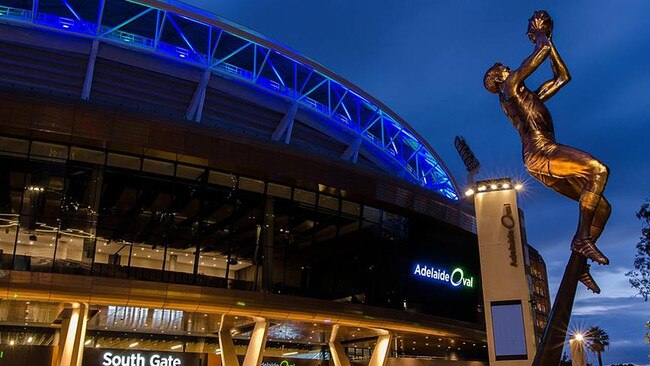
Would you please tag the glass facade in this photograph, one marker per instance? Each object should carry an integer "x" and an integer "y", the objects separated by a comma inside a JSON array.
[{"x": 92, "y": 212}]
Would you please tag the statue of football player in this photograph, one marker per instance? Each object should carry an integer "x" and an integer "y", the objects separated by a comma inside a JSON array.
[{"x": 569, "y": 171}]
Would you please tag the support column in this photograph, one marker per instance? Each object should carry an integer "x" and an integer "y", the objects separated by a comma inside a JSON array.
[
  {"x": 267, "y": 246},
  {"x": 228, "y": 354},
  {"x": 195, "y": 109},
  {"x": 286, "y": 125},
  {"x": 336, "y": 349},
  {"x": 90, "y": 70},
  {"x": 73, "y": 335},
  {"x": 352, "y": 152},
  {"x": 257, "y": 343},
  {"x": 381, "y": 351}
]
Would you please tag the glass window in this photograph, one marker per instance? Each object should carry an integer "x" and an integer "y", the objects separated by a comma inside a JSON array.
[
  {"x": 87, "y": 155},
  {"x": 189, "y": 172},
  {"x": 278, "y": 190},
  {"x": 371, "y": 214},
  {"x": 350, "y": 208},
  {"x": 42, "y": 149},
  {"x": 304, "y": 196},
  {"x": 158, "y": 167},
  {"x": 123, "y": 161},
  {"x": 252, "y": 185},
  {"x": 12, "y": 183},
  {"x": 16, "y": 146},
  {"x": 223, "y": 179},
  {"x": 41, "y": 208}
]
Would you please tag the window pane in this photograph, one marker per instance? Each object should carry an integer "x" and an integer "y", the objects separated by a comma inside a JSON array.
[
  {"x": 41, "y": 209},
  {"x": 12, "y": 181}
]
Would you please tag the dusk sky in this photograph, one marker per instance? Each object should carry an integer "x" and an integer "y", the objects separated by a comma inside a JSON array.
[{"x": 426, "y": 59}]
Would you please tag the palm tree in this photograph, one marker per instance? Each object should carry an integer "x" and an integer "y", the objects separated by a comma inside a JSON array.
[{"x": 598, "y": 341}]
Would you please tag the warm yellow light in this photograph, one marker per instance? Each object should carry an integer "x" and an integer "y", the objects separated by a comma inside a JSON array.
[
  {"x": 579, "y": 337},
  {"x": 469, "y": 192},
  {"x": 177, "y": 346},
  {"x": 518, "y": 186},
  {"x": 493, "y": 186},
  {"x": 505, "y": 185},
  {"x": 481, "y": 188},
  {"x": 133, "y": 344}
]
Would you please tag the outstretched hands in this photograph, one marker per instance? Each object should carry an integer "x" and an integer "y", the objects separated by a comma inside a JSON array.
[{"x": 539, "y": 22}]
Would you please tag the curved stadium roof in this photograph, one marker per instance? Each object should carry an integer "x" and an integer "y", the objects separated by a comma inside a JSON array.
[{"x": 179, "y": 32}]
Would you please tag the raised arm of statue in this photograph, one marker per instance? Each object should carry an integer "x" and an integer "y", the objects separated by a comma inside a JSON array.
[
  {"x": 532, "y": 62},
  {"x": 560, "y": 78}
]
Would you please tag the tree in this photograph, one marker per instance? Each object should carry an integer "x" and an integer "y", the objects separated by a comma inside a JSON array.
[
  {"x": 639, "y": 277},
  {"x": 598, "y": 341}
]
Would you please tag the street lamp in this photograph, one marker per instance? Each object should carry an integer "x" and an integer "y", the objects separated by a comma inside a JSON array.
[{"x": 577, "y": 347}]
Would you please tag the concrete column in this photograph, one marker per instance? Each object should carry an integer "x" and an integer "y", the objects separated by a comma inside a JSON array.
[
  {"x": 257, "y": 343},
  {"x": 381, "y": 351},
  {"x": 228, "y": 354},
  {"x": 336, "y": 349},
  {"x": 73, "y": 335}
]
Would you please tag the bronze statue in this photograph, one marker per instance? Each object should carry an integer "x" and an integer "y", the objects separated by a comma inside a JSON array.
[{"x": 569, "y": 171}]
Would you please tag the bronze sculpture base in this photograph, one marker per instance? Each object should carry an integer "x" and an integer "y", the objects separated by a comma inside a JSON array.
[{"x": 550, "y": 348}]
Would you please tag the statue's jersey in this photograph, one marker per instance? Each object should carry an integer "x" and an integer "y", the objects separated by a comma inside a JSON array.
[
  {"x": 544, "y": 158},
  {"x": 529, "y": 115}
]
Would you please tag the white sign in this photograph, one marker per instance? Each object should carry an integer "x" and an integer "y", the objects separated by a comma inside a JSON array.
[
  {"x": 139, "y": 360},
  {"x": 456, "y": 278}
]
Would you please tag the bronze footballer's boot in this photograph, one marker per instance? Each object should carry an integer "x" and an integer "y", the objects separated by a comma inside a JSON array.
[
  {"x": 587, "y": 248},
  {"x": 588, "y": 280}
]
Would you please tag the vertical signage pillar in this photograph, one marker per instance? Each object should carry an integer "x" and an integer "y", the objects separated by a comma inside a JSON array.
[{"x": 506, "y": 291}]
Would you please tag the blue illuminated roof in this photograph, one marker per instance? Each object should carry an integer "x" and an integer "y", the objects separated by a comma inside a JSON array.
[{"x": 195, "y": 37}]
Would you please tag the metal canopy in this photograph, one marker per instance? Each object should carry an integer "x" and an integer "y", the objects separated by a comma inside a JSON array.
[{"x": 179, "y": 32}]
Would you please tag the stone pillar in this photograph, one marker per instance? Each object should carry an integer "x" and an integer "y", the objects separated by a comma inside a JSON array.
[
  {"x": 381, "y": 351},
  {"x": 336, "y": 349},
  {"x": 73, "y": 336}
]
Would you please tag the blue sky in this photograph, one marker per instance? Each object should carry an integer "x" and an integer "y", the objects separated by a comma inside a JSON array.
[{"x": 426, "y": 59}]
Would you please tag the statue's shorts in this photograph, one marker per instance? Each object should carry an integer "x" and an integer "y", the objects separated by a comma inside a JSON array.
[{"x": 565, "y": 169}]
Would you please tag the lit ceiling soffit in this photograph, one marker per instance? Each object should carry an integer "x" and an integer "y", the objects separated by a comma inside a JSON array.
[{"x": 196, "y": 37}]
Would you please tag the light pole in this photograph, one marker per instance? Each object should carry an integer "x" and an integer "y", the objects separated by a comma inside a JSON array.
[{"x": 577, "y": 347}]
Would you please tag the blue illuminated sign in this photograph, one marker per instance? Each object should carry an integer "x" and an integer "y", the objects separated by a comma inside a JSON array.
[{"x": 456, "y": 277}]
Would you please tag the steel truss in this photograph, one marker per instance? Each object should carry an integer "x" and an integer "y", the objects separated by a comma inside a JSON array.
[{"x": 197, "y": 38}]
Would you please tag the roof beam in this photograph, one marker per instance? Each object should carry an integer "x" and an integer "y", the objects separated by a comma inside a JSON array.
[{"x": 127, "y": 21}]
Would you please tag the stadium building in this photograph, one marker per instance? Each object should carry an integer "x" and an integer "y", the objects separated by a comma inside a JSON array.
[{"x": 177, "y": 189}]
